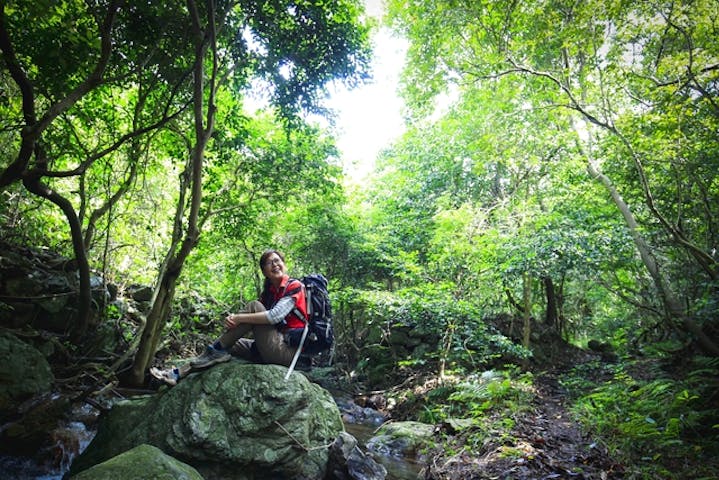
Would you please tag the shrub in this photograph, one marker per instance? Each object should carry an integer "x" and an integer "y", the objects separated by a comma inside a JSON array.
[{"x": 654, "y": 424}]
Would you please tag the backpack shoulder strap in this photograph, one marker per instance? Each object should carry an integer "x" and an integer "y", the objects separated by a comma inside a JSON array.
[
  {"x": 294, "y": 289},
  {"x": 291, "y": 291}
]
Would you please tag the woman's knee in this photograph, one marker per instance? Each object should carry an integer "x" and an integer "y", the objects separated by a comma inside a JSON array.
[{"x": 254, "y": 306}]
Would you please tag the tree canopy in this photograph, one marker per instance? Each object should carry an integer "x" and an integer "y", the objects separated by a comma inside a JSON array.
[{"x": 556, "y": 184}]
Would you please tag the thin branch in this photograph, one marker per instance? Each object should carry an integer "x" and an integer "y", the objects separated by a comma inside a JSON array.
[
  {"x": 80, "y": 169},
  {"x": 628, "y": 299},
  {"x": 574, "y": 104},
  {"x": 34, "y": 128},
  {"x": 96, "y": 76}
]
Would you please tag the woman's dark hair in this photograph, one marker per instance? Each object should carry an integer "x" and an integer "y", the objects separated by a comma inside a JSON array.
[{"x": 266, "y": 254}]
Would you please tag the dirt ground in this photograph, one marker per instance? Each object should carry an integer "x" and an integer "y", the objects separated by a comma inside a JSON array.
[{"x": 544, "y": 443}]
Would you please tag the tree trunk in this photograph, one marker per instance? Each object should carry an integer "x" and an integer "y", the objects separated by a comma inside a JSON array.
[
  {"x": 84, "y": 301},
  {"x": 527, "y": 301},
  {"x": 203, "y": 127},
  {"x": 551, "y": 317},
  {"x": 156, "y": 319},
  {"x": 672, "y": 305}
]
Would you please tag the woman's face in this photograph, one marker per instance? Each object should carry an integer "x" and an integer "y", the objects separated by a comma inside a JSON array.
[{"x": 274, "y": 268}]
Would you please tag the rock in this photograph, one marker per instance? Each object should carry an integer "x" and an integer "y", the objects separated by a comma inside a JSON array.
[
  {"x": 143, "y": 462},
  {"x": 598, "y": 346},
  {"x": 141, "y": 293},
  {"x": 605, "y": 350},
  {"x": 375, "y": 401},
  {"x": 41, "y": 289},
  {"x": 235, "y": 420},
  {"x": 24, "y": 372},
  {"x": 347, "y": 461},
  {"x": 352, "y": 413},
  {"x": 401, "y": 438}
]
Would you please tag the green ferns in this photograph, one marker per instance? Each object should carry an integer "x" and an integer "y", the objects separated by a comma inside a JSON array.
[
  {"x": 654, "y": 424},
  {"x": 478, "y": 395},
  {"x": 479, "y": 407}
]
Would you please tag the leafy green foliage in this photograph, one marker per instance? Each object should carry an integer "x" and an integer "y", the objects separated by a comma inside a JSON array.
[
  {"x": 419, "y": 327},
  {"x": 644, "y": 126},
  {"x": 477, "y": 394},
  {"x": 59, "y": 42},
  {"x": 483, "y": 404},
  {"x": 654, "y": 423},
  {"x": 290, "y": 34}
]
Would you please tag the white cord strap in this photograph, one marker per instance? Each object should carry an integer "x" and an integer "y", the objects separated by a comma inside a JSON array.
[{"x": 297, "y": 353}]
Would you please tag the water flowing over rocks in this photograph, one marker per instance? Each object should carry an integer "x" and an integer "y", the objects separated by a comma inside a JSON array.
[{"x": 349, "y": 462}]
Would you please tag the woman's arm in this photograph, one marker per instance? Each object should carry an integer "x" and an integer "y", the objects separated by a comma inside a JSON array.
[
  {"x": 271, "y": 317},
  {"x": 257, "y": 318}
]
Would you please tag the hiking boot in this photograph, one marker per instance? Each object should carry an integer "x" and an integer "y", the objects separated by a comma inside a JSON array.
[
  {"x": 168, "y": 377},
  {"x": 211, "y": 357}
]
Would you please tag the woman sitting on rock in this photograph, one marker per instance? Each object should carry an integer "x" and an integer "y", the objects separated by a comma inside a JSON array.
[{"x": 281, "y": 308}]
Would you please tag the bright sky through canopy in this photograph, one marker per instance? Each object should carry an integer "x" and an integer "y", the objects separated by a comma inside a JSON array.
[{"x": 368, "y": 118}]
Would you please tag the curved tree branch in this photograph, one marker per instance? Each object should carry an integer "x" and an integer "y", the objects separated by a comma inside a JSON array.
[{"x": 706, "y": 261}]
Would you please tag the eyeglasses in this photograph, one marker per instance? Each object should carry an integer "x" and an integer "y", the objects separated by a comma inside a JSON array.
[{"x": 274, "y": 261}]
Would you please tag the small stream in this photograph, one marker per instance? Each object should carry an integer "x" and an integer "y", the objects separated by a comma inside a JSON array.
[
  {"x": 398, "y": 468},
  {"x": 69, "y": 439},
  {"x": 362, "y": 423}
]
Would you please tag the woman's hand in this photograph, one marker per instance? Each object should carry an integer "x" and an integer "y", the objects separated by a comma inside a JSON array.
[{"x": 231, "y": 321}]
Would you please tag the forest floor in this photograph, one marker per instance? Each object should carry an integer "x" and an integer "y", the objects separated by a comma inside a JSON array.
[{"x": 543, "y": 443}]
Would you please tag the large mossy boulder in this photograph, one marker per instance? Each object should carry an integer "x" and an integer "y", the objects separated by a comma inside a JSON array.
[
  {"x": 143, "y": 462},
  {"x": 28, "y": 410},
  {"x": 24, "y": 372},
  {"x": 235, "y": 420}
]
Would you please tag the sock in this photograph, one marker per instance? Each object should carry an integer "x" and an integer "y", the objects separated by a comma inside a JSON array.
[
  {"x": 176, "y": 373},
  {"x": 217, "y": 345}
]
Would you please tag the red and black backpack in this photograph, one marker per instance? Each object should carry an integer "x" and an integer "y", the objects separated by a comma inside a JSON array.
[{"x": 320, "y": 334}]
